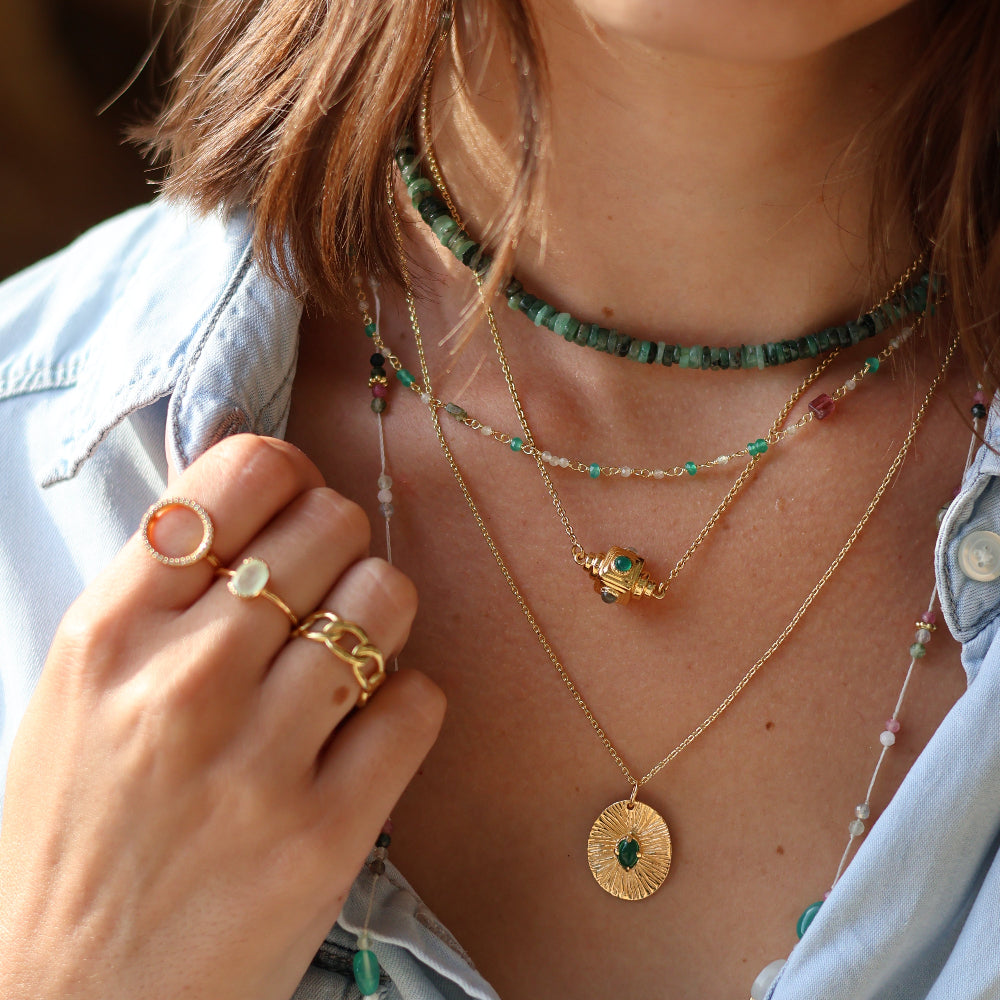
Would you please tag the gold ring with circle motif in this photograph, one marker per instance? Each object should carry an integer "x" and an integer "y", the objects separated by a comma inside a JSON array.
[
  {"x": 203, "y": 550},
  {"x": 366, "y": 661}
]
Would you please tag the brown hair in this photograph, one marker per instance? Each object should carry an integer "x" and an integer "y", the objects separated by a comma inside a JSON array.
[{"x": 294, "y": 106}]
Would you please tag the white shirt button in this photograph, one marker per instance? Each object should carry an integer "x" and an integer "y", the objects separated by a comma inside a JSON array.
[{"x": 979, "y": 556}]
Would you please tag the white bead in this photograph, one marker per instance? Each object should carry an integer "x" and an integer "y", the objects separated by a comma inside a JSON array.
[
  {"x": 856, "y": 828},
  {"x": 851, "y": 384},
  {"x": 486, "y": 430},
  {"x": 364, "y": 305},
  {"x": 886, "y": 738},
  {"x": 722, "y": 460},
  {"x": 387, "y": 510},
  {"x": 563, "y": 463},
  {"x": 658, "y": 473},
  {"x": 626, "y": 471},
  {"x": 425, "y": 398},
  {"x": 384, "y": 482},
  {"x": 767, "y": 976},
  {"x": 546, "y": 456},
  {"x": 862, "y": 810},
  {"x": 385, "y": 496},
  {"x": 923, "y": 635}
]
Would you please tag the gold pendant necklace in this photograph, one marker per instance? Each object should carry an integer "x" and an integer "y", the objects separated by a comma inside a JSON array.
[
  {"x": 619, "y": 573},
  {"x": 629, "y": 848}
]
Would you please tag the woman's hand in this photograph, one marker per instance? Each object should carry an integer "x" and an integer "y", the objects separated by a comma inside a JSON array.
[{"x": 186, "y": 808}]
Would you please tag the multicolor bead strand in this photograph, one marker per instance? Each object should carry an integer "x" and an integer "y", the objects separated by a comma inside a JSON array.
[
  {"x": 908, "y": 298},
  {"x": 367, "y": 973},
  {"x": 925, "y": 627},
  {"x": 819, "y": 408}
]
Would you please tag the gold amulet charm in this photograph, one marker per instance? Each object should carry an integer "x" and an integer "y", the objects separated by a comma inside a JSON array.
[{"x": 618, "y": 575}]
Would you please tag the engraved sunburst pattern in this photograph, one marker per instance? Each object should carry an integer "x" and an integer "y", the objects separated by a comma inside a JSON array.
[{"x": 637, "y": 873}]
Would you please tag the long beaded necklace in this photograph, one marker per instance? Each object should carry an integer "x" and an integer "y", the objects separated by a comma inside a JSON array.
[{"x": 629, "y": 848}]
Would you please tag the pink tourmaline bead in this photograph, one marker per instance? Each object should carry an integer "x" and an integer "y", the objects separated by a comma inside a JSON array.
[
  {"x": 379, "y": 390},
  {"x": 928, "y": 617},
  {"x": 387, "y": 827},
  {"x": 822, "y": 406},
  {"x": 979, "y": 397},
  {"x": 892, "y": 725}
]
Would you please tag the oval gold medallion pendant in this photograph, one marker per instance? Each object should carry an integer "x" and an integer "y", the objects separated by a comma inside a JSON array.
[{"x": 629, "y": 850}]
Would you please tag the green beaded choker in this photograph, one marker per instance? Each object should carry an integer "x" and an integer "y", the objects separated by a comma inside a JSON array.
[{"x": 908, "y": 298}]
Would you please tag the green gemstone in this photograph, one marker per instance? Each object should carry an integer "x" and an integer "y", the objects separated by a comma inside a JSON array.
[
  {"x": 405, "y": 377},
  {"x": 595, "y": 470},
  {"x": 565, "y": 324},
  {"x": 917, "y": 650},
  {"x": 370, "y": 329},
  {"x": 628, "y": 853},
  {"x": 378, "y": 404},
  {"x": 808, "y": 915},
  {"x": 690, "y": 468},
  {"x": 623, "y": 564},
  {"x": 761, "y": 446},
  {"x": 516, "y": 444},
  {"x": 366, "y": 972},
  {"x": 544, "y": 314},
  {"x": 444, "y": 227},
  {"x": 872, "y": 364}
]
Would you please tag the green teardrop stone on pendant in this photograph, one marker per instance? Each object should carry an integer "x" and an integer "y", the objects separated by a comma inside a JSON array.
[
  {"x": 366, "y": 972},
  {"x": 628, "y": 853}
]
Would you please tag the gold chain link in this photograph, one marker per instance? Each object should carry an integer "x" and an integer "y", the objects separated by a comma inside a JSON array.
[{"x": 526, "y": 609}]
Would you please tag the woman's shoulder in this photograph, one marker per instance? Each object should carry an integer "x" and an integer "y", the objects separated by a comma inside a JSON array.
[{"x": 154, "y": 266}]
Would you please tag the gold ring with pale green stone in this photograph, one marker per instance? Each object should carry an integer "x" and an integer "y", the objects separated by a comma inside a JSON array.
[{"x": 249, "y": 581}]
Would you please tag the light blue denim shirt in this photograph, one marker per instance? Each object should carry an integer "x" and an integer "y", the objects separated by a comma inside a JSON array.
[{"x": 157, "y": 334}]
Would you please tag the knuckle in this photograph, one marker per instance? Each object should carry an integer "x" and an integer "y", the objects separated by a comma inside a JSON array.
[
  {"x": 337, "y": 516},
  {"x": 87, "y": 640},
  {"x": 381, "y": 582},
  {"x": 255, "y": 459}
]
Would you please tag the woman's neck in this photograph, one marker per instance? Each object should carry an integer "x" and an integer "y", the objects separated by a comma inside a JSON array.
[{"x": 698, "y": 198}]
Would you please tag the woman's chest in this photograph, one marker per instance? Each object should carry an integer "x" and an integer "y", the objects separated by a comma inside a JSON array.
[{"x": 493, "y": 832}]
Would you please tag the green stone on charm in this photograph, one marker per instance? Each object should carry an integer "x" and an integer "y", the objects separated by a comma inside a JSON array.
[
  {"x": 808, "y": 915},
  {"x": 622, "y": 563},
  {"x": 595, "y": 470},
  {"x": 516, "y": 444},
  {"x": 366, "y": 972},
  {"x": 690, "y": 468},
  {"x": 627, "y": 852}
]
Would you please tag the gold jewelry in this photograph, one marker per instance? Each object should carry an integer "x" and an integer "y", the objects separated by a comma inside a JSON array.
[
  {"x": 249, "y": 580},
  {"x": 204, "y": 548},
  {"x": 365, "y": 660},
  {"x": 597, "y": 850}
]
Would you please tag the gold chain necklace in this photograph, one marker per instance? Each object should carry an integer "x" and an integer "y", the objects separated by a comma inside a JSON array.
[{"x": 629, "y": 848}]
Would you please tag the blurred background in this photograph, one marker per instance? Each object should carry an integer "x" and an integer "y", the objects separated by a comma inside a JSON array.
[{"x": 63, "y": 166}]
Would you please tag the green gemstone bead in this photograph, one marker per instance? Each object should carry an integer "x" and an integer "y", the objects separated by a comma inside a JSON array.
[
  {"x": 623, "y": 564},
  {"x": 752, "y": 448},
  {"x": 383, "y": 840},
  {"x": 683, "y": 363},
  {"x": 645, "y": 346},
  {"x": 405, "y": 377},
  {"x": 628, "y": 853},
  {"x": 543, "y": 315},
  {"x": 812, "y": 345},
  {"x": 370, "y": 329},
  {"x": 917, "y": 650},
  {"x": 872, "y": 364},
  {"x": 419, "y": 188},
  {"x": 565, "y": 324},
  {"x": 690, "y": 468},
  {"x": 366, "y": 972},
  {"x": 808, "y": 915},
  {"x": 444, "y": 227},
  {"x": 378, "y": 404},
  {"x": 455, "y": 410},
  {"x": 514, "y": 302},
  {"x": 633, "y": 350},
  {"x": 595, "y": 470},
  {"x": 761, "y": 446},
  {"x": 516, "y": 444}
]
